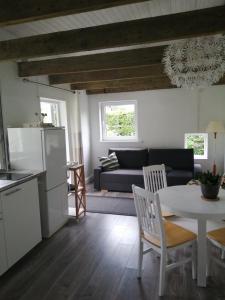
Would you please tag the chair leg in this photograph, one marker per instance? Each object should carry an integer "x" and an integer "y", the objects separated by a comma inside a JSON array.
[
  {"x": 194, "y": 260},
  {"x": 208, "y": 269},
  {"x": 162, "y": 274},
  {"x": 140, "y": 259}
]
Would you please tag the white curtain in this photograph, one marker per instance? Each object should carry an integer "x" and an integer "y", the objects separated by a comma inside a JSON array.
[{"x": 74, "y": 129}]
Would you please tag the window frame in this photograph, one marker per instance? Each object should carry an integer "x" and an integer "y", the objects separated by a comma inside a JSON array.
[
  {"x": 102, "y": 122},
  {"x": 205, "y": 135},
  {"x": 55, "y": 102},
  {"x": 62, "y": 118}
]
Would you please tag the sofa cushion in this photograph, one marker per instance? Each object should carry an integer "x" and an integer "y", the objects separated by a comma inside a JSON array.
[
  {"x": 179, "y": 177},
  {"x": 178, "y": 159},
  {"x": 110, "y": 162},
  {"x": 123, "y": 176},
  {"x": 131, "y": 158}
]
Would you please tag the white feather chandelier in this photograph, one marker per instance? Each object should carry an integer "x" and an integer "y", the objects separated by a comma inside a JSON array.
[{"x": 198, "y": 62}]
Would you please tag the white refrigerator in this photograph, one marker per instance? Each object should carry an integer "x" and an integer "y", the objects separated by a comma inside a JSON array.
[{"x": 43, "y": 149}]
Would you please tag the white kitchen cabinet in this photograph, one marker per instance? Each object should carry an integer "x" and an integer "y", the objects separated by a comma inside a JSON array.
[
  {"x": 3, "y": 257},
  {"x": 21, "y": 217}
]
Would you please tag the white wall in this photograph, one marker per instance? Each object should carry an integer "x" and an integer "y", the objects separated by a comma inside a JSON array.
[
  {"x": 164, "y": 116},
  {"x": 212, "y": 107},
  {"x": 20, "y": 100}
]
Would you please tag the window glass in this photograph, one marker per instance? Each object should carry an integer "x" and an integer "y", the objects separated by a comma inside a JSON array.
[
  {"x": 118, "y": 120},
  {"x": 56, "y": 114},
  {"x": 51, "y": 109},
  {"x": 198, "y": 142}
]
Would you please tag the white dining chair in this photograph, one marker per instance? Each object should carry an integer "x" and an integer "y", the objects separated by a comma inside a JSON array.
[
  {"x": 154, "y": 180},
  {"x": 216, "y": 238},
  {"x": 160, "y": 235}
]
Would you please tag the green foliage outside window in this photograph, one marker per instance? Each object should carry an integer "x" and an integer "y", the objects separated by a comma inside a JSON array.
[
  {"x": 195, "y": 142},
  {"x": 120, "y": 123}
]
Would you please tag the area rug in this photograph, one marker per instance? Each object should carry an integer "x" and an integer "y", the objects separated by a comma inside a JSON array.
[
  {"x": 104, "y": 193},
  {"x": 111, "y": 205},
  {"x": 90, "y": 191}
]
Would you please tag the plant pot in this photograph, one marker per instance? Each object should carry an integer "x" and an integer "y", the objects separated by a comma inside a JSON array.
[{"x": 210, "y": 191}]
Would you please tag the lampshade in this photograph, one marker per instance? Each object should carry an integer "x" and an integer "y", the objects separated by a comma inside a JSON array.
[{"x": 215, "y": 127}]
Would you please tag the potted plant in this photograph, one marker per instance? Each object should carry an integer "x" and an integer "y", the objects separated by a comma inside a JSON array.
[{"x": 210, "y": 185}]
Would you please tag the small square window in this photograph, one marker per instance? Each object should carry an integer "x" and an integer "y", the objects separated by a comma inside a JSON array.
[
  {"x": 198, "y": 142},
  {"x": 118, "y": 121},
  {"x": 51, "y": 109}
]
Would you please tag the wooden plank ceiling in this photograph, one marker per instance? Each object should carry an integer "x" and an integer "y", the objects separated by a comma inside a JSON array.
[
  {"x": 69, "y": 54},
  {"x": 20, "y": 11}
]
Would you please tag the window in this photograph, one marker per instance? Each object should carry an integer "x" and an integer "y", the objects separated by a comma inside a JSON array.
[
  {"x": 57, "y": 115},
  {"x": 51, "y": 108},
  {"x": 118, "y": 121},
  {"x": 198, "y": 142}
]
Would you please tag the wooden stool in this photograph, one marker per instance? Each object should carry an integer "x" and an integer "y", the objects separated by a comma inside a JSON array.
[{"x": 79, "y": 189}]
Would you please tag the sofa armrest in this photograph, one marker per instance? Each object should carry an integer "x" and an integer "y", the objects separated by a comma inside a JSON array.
[
  {"x": 197, "y": 170},
  {"x": 97, "y": 173}
]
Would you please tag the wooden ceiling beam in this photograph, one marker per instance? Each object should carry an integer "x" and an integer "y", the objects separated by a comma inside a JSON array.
[
  {"x": 134, "y": 88},
  {"x": 21, "y": 11},
  {"x": 94, "y": 62},
  {"x": 92, "y": 76},
  {"x": 158, "y": 29},
  {"x": 125, "y": 83},
  {"x": 133, "y": 85}
]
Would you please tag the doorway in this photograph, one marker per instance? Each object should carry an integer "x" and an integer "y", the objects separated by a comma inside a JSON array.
[{"x": 56, "y": 114}]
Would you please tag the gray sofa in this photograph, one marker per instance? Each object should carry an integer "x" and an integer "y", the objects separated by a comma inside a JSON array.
[{"x": 179, "y": 168}]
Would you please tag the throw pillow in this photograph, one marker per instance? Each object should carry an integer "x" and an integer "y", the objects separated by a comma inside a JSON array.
[
  {"x": 109, "y": 163},
  {"x": 223, "y": 182}
]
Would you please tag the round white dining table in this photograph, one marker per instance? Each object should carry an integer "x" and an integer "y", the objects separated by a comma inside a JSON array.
[{"x": 187, "y": 201}]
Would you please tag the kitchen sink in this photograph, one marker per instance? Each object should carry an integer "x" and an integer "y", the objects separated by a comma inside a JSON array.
[{"x": 13, "y": 176}]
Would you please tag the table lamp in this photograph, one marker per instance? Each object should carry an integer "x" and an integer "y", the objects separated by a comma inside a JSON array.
[{"x": 215, "y": 127}]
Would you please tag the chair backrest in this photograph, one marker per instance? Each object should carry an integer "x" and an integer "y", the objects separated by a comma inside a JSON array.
[
  {"x": 154, "y": 177},
  {"x": 149, "y": 214}
]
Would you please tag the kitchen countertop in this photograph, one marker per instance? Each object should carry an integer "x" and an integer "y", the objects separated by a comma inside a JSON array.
[{"x": 7, "y": 184}]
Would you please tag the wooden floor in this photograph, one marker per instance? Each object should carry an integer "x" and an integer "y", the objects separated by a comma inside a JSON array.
[{"x": 96, "y": 259}]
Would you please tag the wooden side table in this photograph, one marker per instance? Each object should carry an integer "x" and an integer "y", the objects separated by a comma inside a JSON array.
[{"x": 79, "y": 189}]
